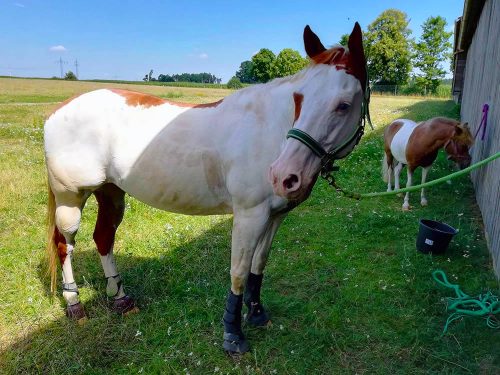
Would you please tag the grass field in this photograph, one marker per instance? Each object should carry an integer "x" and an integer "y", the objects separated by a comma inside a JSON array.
[{"x": 345, "y": 287}]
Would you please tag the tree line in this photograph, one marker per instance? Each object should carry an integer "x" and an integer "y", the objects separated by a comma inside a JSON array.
[
  {"x": 183, "y": 77},
  {"x": 393, "y": 57}
]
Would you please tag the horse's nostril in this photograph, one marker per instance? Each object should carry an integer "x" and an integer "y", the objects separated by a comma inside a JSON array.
[{"x": 291, "y": 182}]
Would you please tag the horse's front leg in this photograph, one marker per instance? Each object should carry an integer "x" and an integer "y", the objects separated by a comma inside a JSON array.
[
  {"x": 248, "y": 227},
  {"x": 423, "y": 200},
  {"x": 257, "y": 315}
]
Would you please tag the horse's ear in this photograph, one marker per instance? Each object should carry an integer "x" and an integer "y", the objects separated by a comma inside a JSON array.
[
  {"x": 357, "y": 53},
  {"x": 465, "y": 125},
  {"x": 312, "y": 44}
]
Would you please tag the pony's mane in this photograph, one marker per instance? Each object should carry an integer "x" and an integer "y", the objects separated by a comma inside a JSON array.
[{"x": 464, "y": 137}]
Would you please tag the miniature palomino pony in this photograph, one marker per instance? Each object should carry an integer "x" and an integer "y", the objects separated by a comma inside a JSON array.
[
  {"x": 232, "y": 156},
  {"x": 417, "y": 145}
]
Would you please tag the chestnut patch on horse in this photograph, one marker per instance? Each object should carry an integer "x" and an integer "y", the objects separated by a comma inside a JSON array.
[
  {"x": 134, "y": 99},
  {"x": 298, "y": 99},
  {"x": 334, "y": 56},
  {"x": 60, "y": 242},
  {"x": 109, "y": 215}
]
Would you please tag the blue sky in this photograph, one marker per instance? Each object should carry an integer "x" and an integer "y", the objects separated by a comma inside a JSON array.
[{"x": 124, "y": 39}]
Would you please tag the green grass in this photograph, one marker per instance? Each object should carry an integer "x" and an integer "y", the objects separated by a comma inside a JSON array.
[{"x": 346, "y": 289}]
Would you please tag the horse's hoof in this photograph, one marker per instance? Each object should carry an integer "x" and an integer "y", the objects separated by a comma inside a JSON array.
[
  {"x": 423, "y": 202},
  {"x": 406, "y": 208},
  {"x": 235, "y": 344},
  {"x": 400, "y": 195},
  {"x": 76, "y": 312},
  {"x": 124, "y": 306},
  {"x": 257, "y": 317}
]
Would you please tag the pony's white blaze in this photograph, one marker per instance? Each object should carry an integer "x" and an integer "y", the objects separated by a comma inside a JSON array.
[
  {"x": 400, "y": 140},
  {"x": 209, "y": 160}
]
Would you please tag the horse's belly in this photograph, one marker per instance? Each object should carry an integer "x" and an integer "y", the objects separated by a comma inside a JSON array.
[
  {"x": 190, "y": 183},
  {"x": 400, "y": 141}
]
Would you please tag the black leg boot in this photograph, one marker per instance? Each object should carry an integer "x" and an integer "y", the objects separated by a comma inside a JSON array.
[
  {"x": 256, "y": 316},
  {"x": 234, "y": 340}
]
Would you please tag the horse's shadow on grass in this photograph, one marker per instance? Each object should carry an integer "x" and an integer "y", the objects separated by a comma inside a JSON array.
[{"x": 180, "y": 294}]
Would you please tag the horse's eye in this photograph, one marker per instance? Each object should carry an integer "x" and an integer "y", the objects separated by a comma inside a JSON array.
[{"x": 343, "y": 107}]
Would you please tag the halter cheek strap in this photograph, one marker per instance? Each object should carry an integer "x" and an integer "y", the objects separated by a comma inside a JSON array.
[{"x": 328, "y": 158}]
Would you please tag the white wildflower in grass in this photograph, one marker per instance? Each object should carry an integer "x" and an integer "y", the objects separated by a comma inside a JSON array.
[{"x": 138, "y": 333}]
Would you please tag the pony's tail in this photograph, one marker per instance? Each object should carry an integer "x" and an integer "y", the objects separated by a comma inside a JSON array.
[
  {"x": 51, "y": 246},
  {"x": 385, "y": 169}
]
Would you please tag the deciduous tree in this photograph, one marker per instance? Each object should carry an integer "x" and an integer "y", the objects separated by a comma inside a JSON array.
[
  {"x": 245, "y": 72},
  {"x": 430, "y": 54},
  {"x": 263, "y": 65},
  {"x": 387, "y": 47},
  {"x": 288, "y": 62}
]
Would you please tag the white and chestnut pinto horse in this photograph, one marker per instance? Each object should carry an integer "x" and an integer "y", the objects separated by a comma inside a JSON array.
[
  {"x": 417, "y": 145},
  {"x": 227, "y": 157}
]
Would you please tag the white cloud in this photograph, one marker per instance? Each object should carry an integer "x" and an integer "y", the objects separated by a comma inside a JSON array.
[
  {"x": 19, "y": 5},
  {"x": 58, "y": 48},
  {"x": 203, "y": 55}
]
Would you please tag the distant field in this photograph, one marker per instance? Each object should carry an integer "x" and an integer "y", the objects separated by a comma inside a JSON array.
[
  {"x": 13, "y": 90},
  {"x": 346, "y": 289}
]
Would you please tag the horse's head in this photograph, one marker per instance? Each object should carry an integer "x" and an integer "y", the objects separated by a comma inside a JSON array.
[
  {"x": 458, "y": 146},
  {"x": 328, "y": 101}
]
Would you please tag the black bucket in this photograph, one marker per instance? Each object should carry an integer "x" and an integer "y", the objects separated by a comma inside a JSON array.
[{"x": 434, "y": 237}]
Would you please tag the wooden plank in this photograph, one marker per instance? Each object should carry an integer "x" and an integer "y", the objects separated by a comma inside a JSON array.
[{"x": 481, "y": 85}]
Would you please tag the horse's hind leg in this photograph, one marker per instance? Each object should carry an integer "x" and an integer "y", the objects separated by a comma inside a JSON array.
[
  {"x": 111, "y": 206},
  {"x": 67, "y": 219},
  {"x": 397, "y": 172},
  {"x": 390, "y": 169}
]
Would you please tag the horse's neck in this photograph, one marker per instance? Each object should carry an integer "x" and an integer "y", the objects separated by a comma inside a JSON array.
[{"x": 271, "y": 103}]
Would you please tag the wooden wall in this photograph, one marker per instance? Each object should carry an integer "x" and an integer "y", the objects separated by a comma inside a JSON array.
[{"x": 482, "y": 85}]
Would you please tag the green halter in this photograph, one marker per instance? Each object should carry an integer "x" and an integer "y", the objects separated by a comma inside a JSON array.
[{"x": 329, "y": 157}]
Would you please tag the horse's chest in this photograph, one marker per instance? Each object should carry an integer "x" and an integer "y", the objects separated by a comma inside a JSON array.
[{"x": 400, "y": 142}]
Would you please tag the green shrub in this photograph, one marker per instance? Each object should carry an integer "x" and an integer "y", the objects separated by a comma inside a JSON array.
[{"x": 234, "y": 83}]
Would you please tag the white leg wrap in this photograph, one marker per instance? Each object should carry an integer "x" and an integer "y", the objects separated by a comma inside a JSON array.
[
  {"x": 114, "y": 287},
  {"x": 70, "y": 289}
]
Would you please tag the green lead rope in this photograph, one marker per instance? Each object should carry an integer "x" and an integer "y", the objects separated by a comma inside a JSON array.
[
  {"x": 358, "y": 196},
  {"x": 484, "y": 305}
]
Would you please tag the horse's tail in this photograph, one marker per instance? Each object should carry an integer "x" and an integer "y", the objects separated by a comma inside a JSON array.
[
  {"x": 51, "y": 246},
  {"x": 385, "y": 169}
]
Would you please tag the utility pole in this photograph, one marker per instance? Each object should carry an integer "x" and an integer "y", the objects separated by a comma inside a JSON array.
[
  {"x": 61, "y": 62},
  {"x": 76, "y": 67}
]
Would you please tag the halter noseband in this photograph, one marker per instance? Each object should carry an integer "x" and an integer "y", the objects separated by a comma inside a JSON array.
[{"x": 328, "y": 158}]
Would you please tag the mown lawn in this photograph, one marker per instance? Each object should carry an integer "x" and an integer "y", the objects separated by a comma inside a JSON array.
[{"x": 347, "y": 291}]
